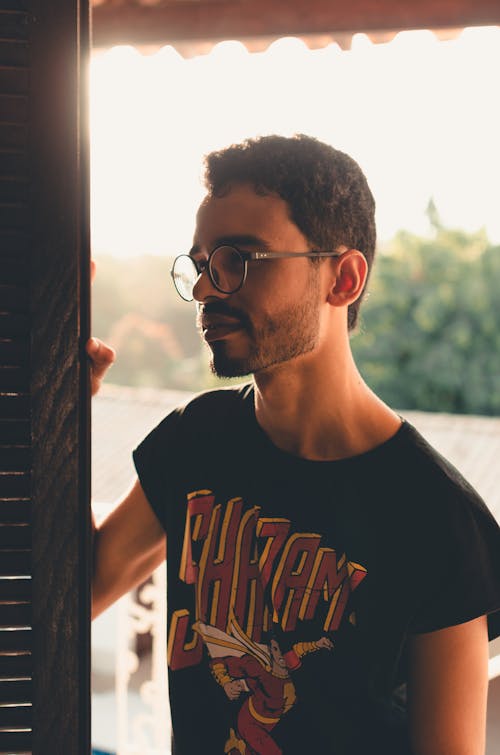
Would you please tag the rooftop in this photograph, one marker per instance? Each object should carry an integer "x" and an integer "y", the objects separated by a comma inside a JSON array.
[{"x": 123, "y": 416}]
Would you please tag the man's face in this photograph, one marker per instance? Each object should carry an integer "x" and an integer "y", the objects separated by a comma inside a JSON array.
[{"x": 274, "y": 317}]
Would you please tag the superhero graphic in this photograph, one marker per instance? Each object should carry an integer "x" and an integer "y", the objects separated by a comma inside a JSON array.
[
  {"x": 252, "y": 578},
  {"x": 259, "y": 675}
]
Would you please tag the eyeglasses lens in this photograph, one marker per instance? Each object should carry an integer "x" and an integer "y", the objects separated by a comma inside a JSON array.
[
  {"x": 227, "y": 269},
  {"x": 184, "y": 274}
]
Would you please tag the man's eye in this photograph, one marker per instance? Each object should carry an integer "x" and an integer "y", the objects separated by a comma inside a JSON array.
[{"x": 200, "y": 264}]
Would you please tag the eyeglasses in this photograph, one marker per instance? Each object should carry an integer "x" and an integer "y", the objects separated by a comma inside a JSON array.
[{"x": 226, "y": 267}]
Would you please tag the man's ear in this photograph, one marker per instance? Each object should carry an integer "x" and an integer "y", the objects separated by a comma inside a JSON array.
[{"x": 350, "y": 274}]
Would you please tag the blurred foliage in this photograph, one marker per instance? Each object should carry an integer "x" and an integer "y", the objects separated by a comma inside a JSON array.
[
  {"x": 429, "y": 337},
  {"x": 430, "y": 332},
  {"x": 136, "y": 310}
]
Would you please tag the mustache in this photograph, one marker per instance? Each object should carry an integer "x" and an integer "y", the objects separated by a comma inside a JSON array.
[{"x": 221, "y": 308}]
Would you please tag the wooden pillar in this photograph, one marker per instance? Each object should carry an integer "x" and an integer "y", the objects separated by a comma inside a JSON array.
[{"x": 44, "y": 432}]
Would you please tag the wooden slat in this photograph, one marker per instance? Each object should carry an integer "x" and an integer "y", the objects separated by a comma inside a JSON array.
[
  {"x": 15, "y": 589},
  {"x": 14, "y": 535},
  {"x": 13, "y": 378},
  {"x": 14, "y": 407},
  {"x": 15, "y": 484},
  {"x": 16, "y": 741},
  {"x": 14, "y": 298},
  {"x": 14, "y": 250},
  {"x": 14, "y": 215},
  {"x": 14, "y": 562},
  {"x": 13, "y": 162},
  {"x": 14, "y": 52},
  {"x": 13, "y": 189},
  {"x": 14, "y": 458},
  {"x": 15, "y": 353},
  {"x": 16, "y": 641},
  {"x": 15, "y": 510},
  {"x": 14, "y": 431},
  {"x": 13, "y": 135},
  {"x": 13, "y": 108},
  {"x": 13, "y": 270},
  {"x": 14, "y": 79},
  {"x": 16, "y": 716},
  {"x": 12, "y": 325},
  {"x": 15, "y": 614},
  {"x": 15, "y": 663},
  {"x": 14, "y": 20},
  {"x": 130, "y": 22},
  {"x": 15, "y": 689}
]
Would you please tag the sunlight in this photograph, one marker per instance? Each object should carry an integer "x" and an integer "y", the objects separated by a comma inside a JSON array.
[{"x": 421, "y": 116}]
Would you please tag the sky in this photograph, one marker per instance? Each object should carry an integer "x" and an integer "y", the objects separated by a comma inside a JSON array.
[{"x": 421, "y": 117}]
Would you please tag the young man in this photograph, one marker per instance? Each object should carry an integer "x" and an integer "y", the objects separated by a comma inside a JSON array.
[{"x": 329, "y": 574}]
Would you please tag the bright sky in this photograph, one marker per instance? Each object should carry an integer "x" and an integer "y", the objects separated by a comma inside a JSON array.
[{"x": 421, "y": 116}]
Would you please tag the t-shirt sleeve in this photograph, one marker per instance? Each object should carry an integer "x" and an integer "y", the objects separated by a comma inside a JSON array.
[
  {"x": 463, "y": 580},
  {"x": 156, "y": 461}
]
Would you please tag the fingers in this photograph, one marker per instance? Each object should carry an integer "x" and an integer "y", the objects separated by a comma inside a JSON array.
[
  {"x": 100, "y": 354},
  {"x": 101, "y": 358}
]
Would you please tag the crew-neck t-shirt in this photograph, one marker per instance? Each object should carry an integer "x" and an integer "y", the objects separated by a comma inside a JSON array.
[{"x": 293, "y": 585}]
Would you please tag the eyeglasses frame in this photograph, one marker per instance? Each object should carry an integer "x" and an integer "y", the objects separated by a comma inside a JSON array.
[{"x": 203, "y": 265}]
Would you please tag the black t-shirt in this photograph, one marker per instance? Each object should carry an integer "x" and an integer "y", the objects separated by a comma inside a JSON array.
[{"x": 293, "y": 585}]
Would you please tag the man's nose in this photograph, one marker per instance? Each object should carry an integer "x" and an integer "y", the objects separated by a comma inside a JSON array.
[{"x": 204, "y": 289}]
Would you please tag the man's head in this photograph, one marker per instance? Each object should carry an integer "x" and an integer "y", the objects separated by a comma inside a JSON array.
[{"x": 326, "y": 192}]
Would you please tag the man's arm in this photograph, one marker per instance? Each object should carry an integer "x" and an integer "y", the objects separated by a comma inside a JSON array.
[
  {"x": 448, "y": 688},
  {"x": 130, "y": 543},
  {"x": 128, "y": 546}
]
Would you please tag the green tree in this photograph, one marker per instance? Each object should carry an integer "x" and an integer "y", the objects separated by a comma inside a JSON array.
[{"x": 430, "y": 336}]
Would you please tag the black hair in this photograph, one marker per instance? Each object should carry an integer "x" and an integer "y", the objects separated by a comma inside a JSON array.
[{"x": 326, "y": 191}]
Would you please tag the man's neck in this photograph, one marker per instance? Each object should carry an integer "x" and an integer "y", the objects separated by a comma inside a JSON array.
[{"x": 320, "y": 408}]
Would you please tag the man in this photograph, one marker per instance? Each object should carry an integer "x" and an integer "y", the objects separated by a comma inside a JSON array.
[{"x": 300, "y": 510}]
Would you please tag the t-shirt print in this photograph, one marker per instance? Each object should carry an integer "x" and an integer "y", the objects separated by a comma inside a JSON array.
[{"x": 251, "y": 573}]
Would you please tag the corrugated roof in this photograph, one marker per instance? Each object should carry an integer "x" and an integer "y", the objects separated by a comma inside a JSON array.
[{"x": 122, "y": 417}]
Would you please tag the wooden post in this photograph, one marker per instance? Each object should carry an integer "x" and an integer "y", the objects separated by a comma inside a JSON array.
[{"x": 44, "y": 426}]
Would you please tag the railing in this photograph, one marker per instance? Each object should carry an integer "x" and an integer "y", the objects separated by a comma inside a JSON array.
[{"x": 145, "y": 729}]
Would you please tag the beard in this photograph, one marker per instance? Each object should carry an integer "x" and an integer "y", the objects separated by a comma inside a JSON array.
[{"x": 281, "y": 337}]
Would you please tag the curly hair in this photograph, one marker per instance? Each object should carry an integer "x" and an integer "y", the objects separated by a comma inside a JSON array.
[{"x": 326, "y": 191}]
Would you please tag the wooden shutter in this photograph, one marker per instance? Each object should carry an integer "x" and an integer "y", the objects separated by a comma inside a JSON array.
[{"x": 44, "y": 447}]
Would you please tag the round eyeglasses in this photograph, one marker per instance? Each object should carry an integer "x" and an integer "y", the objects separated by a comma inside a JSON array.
[{"x": 226, "y": 267}]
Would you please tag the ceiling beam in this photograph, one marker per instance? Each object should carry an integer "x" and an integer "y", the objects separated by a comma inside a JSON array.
[{"x": 170, "y": 21}]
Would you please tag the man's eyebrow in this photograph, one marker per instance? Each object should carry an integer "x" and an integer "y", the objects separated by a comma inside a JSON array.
[{"x": 241, "y": 239}]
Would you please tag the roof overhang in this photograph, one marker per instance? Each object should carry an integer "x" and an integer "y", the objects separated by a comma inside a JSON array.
[{"x": 162, "y": 22}]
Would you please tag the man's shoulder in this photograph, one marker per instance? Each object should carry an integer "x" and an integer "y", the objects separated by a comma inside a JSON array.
[
  {"x": 426, "y": 470},
  {"x": 197, "y": 424},
  {"x": 206, "y": 413},
  {"x": 217, "y": 400}
]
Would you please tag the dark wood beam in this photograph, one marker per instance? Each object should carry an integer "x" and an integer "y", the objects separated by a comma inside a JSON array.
[{"x": 129, "y": 22}]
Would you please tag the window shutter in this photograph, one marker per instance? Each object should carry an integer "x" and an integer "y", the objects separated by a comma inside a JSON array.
[{"x": 44, "y": 432}]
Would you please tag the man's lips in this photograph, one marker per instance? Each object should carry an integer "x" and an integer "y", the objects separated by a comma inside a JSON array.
[{"x": 218, "y": 326}]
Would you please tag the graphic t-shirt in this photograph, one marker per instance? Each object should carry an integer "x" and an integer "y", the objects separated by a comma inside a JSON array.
[{"x": 293, "y": 585}]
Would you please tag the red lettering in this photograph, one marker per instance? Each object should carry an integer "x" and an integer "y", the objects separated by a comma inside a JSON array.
[
  {"x": 199, "y": 510},
  {"x": 182, "y": 653},
  {"x": 292, "y": 576},
  {"x": 276, "y": 531},
  {"x": 213, "y": 588},
  {"x": 247, "y": 594}
]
